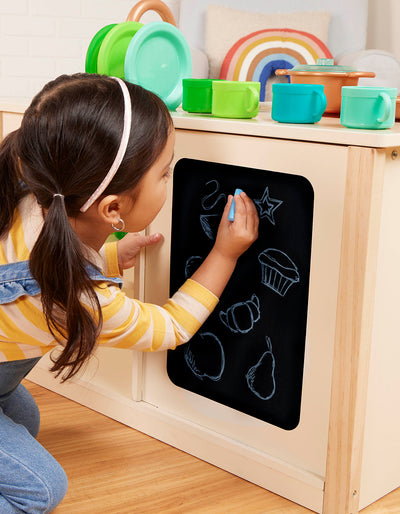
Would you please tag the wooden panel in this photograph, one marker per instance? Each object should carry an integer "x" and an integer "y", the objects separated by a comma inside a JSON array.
[{"x": 353, "y": 329}]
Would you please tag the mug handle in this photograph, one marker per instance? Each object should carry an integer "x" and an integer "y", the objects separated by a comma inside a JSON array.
[
  {"x": 254, "y": 100},
  {"x": 321, "y": 105},
  {"x": 387, "y": 106},
  {"x": 158, "y": 6}
]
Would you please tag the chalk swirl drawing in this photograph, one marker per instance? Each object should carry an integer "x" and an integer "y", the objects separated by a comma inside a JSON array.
[
  {"x": 210, "y": 222},
  {"x": 205, "y": 359},
  {"x": 278, "y": 271},
  {"x": 242, "y": 316},
  {"x": 261, "y": 377},
  {"x": 204, "y": 201},
  {"x": 192, "y": 264},
  {"x": 266, "y": 206}
]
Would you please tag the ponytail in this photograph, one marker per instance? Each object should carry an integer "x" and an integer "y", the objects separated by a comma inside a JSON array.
[
  {"x": 11, "y": 187},
  {"x": 58, "y": 264}
]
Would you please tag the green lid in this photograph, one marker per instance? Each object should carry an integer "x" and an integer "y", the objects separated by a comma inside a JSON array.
[
  {"x": 324, "y": 65},
  {"x": 368, "y": 92}
]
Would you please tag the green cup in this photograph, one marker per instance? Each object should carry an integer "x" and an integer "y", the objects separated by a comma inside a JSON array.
[
  {"x": 368, "y": 107},
  {"x": 197, "y": 95},
  {"x": 235, "y": 99}
]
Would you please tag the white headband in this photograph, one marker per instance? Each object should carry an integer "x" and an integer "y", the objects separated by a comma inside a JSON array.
[{"x": 121, "y": 150}]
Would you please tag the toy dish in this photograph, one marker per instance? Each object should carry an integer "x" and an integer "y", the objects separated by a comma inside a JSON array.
[
  {"x": 158, "y": 58},
  {"x": 110, "y": 60},
  {"x": 94, "y": 47}
]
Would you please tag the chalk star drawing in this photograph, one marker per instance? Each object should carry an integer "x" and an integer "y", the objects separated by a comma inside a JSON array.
[{"x": 267, "y": 206}]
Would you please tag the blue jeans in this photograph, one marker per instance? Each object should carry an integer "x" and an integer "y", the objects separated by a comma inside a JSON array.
[{"x": 31, "y": 480}]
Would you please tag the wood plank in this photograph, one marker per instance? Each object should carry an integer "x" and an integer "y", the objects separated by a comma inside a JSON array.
[
  {"x": 353, "y": 329},
  {"x": 114, "y": 469}
]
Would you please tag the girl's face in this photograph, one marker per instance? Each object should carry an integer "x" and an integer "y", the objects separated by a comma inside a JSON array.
[{"x": 151, "y": 192}]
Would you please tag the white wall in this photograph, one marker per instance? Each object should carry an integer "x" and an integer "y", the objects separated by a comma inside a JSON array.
[{"x": 41, "y": 39}]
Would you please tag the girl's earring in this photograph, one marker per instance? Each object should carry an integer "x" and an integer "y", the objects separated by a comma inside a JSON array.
[{"x": 118, "y": 229}]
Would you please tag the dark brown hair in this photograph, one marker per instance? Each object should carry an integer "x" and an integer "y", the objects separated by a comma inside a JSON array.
[{"x": 67, "y": 141}]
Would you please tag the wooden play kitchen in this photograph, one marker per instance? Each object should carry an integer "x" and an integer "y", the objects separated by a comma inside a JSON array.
[{"x": 331, "y": 444}]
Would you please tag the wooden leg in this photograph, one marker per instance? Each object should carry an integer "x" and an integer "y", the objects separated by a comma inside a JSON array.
[{"x": 353, "y": 329}]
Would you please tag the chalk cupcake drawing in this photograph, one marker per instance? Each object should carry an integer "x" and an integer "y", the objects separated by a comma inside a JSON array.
[
  {"x": 278, "y": 271},
  {"x": 197, "y": 357},
  {"x": 242, "y": 316},
  {"x": 261, "y": 377},
  {"x": 266, "y": 206},
  {"x": 210, "y": 222}
]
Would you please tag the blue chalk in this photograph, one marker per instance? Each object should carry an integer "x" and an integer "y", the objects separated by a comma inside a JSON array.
[{"x": 231, "y": 215}]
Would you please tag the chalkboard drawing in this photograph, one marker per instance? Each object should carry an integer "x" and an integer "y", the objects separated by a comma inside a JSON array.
[
  {"x": 242, "y": 316},
  {"x": 205, "y": 358},
  {"x": 192, "y": 264},
  {"x": 261, "y": 377},
  {"x": 278, "y": 271},
  {"x": 210, "y": 223},
  {"x": 208, "y": 204},
  {"x": 267, "y": 206}
]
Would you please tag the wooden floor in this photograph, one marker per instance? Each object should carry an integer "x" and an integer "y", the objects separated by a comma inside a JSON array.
[{"x": 113, "y": 469}]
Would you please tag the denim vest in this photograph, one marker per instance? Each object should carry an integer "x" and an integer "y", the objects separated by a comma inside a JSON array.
[{"x": 16, "y": 281}]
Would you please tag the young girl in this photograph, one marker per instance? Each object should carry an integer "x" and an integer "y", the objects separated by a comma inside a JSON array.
[{"x": 92, "y": 156}]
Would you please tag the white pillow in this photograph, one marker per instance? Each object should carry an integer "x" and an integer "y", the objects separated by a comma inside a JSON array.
[{"x": 225, "y": 26}]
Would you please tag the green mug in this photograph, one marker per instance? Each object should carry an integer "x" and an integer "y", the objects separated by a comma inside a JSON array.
[
  {"x": 235, "y": 99},
  {"x": 197, "y": 95},
  {"x": 368, "y": 107}
]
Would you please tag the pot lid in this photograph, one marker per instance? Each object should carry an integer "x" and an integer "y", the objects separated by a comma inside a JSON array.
[{"x": 324, "y": 65}]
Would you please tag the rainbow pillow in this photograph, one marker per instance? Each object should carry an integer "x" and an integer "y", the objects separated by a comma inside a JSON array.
[{"x": 256, "y": 56}]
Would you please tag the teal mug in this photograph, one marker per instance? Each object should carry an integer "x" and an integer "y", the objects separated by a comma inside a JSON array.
[
  {"x": 298, "y": 103},
  {"x": 368, "y": 107}
]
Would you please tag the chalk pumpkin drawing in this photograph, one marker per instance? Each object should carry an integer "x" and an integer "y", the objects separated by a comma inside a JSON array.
[
  {"x": 278, "y": 271},
  {"x": 199, "y": 362},
  {"x": 266, "y": 206},
  {"x": 242, "y": 316},
  {"x": 261, "y": 377}
]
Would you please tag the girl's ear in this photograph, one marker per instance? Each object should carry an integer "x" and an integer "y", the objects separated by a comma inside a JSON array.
[{"x": 109, "y": 208}]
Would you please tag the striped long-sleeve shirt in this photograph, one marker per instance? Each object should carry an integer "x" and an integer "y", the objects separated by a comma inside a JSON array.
[{"x": 127, "y": 323}]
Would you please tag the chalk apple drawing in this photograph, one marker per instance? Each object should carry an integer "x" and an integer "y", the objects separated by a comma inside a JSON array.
[
  {"x": 261, "y": 377},
  {"x": 206, "y": 358}
]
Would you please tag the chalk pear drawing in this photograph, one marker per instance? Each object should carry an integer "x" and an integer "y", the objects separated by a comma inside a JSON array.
[
  {"x": 278, "y": 271},
  {"x": 192, "y": 264},
  {"x": 261, "y": 377},
  {"x": 267, "y": 206},
  {"x": 205, "y": 358},
  {"x": 242, "y": 316},
  {"x": 210, "y": 222}
]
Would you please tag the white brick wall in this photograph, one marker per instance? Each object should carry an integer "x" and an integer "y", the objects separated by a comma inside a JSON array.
[{"x": 41, "y": 39}]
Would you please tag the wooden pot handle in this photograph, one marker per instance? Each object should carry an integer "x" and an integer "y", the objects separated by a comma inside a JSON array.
[{"x": 159, "y": 7}]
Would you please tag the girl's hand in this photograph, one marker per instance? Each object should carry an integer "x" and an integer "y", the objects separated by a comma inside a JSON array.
[
  {"x": 235, "y": 237},
  {"x": 130, "y": 245}
]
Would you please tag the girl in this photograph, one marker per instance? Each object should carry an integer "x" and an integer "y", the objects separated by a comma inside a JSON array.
[{"x": 92, "y": 156}]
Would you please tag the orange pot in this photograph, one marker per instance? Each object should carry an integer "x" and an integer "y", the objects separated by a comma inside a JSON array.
[{"x": 332, "y": 77}]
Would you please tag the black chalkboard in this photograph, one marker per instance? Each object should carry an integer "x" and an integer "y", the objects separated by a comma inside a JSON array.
[{"x": 249, "y": 354}]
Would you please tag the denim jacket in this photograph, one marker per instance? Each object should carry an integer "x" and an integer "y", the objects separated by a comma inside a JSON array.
[{"x": 16, "y": 281}]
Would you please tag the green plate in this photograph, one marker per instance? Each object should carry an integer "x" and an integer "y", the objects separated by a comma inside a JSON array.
[
  {"x": 158, "y": 58},
  {"x": 94, "y": 47},
  {"x": 111, "y": 58}
]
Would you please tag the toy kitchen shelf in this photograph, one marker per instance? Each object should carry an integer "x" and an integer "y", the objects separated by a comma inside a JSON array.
[{"x": 344, "y": 452}]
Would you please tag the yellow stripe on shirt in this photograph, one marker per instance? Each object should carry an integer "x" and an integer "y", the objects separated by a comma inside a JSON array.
[
  {"x": 18, "y": 238},
  {"x": 3, "y": 258},
  {"x": 202, "y": 295},
  {"x": 183, "y": 317}
]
